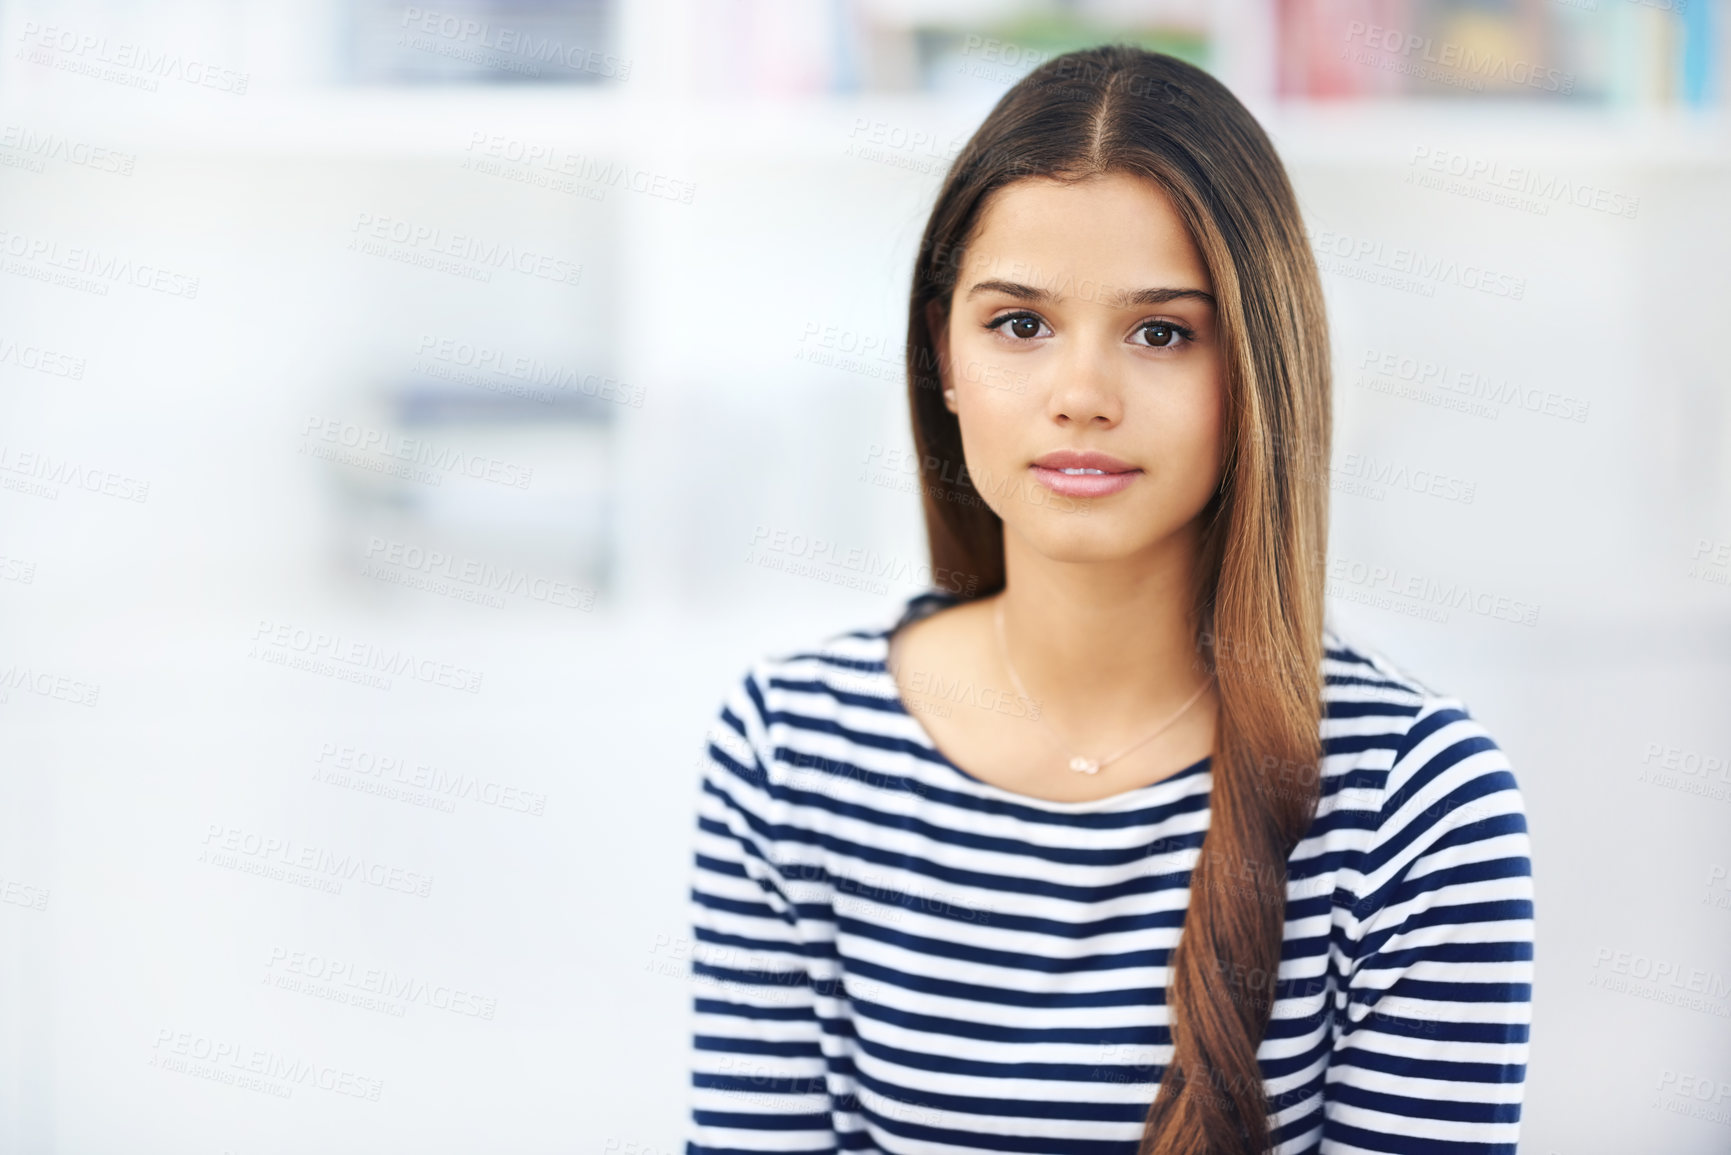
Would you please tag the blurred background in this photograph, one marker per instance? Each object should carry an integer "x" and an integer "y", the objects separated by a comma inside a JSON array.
[{"x": 414, "y": 419}]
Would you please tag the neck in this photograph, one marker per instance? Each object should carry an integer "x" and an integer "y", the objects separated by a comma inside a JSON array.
[{"x": 1104, "y": 646}]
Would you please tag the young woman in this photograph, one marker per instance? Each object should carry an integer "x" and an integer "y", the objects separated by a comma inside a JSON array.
[{"x": 1124, "y": 849}]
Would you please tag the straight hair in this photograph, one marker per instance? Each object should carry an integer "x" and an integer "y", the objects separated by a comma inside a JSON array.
[{"x": 1258, "y": 613}]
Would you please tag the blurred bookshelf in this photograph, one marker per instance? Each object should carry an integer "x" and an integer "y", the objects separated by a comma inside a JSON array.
[
  {"x": 1610, "y": 53},
  {"x": 1616, "y": 53},
  {"x": 699, "y": 78},
  {"x": 522, "y": 42}
]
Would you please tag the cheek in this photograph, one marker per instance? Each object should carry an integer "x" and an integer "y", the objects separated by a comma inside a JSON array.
[
  {"x": 995, "y": 404},
  {"x": 994, "y": 392},
  {"x": 989, "y": 436},
  {"x": 1189, "y": 426},
  {"x": 983, "y": 368}
]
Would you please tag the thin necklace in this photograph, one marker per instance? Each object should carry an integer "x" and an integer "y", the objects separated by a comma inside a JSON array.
[{"x": 1079, "y": 763}]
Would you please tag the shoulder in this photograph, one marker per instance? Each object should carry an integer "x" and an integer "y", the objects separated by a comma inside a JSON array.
[
  {"x": 1373, "y": 705},
  {"x": 840, "y": 668},
  {"x": 1426, "y": 772},
  {"x": 1361, "y": 682},
  {"x": 796, "y": 685},
  {"x": 821, "y": 706}
]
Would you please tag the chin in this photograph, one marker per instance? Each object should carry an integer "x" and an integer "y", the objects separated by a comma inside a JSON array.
[{"x": 1094, "y": 536}]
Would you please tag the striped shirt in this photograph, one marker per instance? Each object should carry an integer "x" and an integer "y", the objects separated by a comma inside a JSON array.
[{"x": 891, "y": 955}]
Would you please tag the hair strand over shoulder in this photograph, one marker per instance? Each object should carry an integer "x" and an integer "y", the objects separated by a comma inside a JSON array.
[{"x": 1259, "y": 612}]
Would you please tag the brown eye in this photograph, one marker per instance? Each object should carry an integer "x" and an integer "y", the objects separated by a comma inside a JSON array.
[
  {"x": 1159, "y": 334},
  {"x": 1021, "y": 328}
]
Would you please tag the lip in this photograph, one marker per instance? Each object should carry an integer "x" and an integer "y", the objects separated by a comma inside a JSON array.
[
  {"x": 1115, "y": 474},
  {"x": 1075, "y": 459}
]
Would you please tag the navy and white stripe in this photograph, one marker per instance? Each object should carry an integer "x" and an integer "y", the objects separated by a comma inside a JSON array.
[{"x": 894, "y": 956}]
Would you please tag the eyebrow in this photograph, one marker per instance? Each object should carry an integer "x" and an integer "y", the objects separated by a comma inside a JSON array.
[{"x": 1038, "y": 296}]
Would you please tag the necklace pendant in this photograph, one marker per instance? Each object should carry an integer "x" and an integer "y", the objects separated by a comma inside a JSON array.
[{"x": 1083, "y": 765}]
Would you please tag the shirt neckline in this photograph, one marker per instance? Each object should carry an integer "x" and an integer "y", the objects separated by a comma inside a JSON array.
[{"x": 1175, "y": 784}]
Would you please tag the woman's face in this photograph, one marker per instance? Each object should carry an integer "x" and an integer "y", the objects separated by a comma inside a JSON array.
[{"x": 1083, "y": 323}]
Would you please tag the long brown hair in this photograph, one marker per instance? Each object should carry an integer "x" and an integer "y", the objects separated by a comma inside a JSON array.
[{"x": 1259, "y": 608}]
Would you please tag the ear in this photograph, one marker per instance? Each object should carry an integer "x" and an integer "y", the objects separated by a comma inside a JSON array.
[{"x": 937, "y": 324}]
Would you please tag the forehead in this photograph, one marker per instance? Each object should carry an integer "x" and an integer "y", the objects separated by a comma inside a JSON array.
[{"x": 1116, "y": 229}]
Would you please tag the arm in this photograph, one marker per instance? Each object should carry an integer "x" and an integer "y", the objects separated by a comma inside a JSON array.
[
  {"x": 757, "y": 1066},
  {"x": 1431, "y": 1045}
]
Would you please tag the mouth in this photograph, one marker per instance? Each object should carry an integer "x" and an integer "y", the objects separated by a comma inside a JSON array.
[{"x": 1074, "y": 474}]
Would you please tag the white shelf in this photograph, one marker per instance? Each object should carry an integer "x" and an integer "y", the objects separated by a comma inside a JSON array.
[{"x": 410, "y": 121}]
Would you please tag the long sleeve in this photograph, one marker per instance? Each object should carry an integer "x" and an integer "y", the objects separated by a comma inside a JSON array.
[
  {"x": 757, "y": 1066},
  {"x": 1430, "y": 1051}
]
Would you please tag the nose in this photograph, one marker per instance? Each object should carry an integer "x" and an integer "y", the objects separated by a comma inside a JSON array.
[{"x": 1085, "y": 388}]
